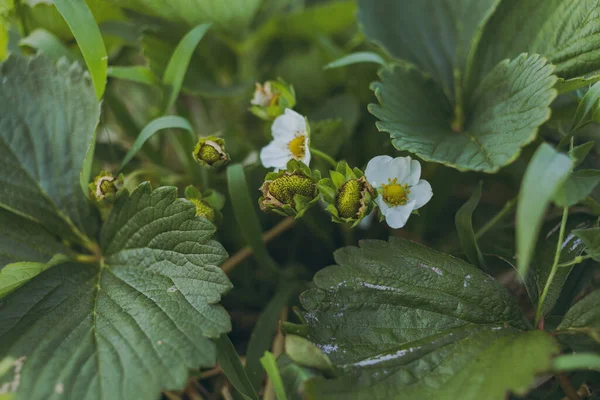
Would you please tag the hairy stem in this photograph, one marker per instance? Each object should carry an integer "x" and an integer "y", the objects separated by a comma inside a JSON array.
[{"x": 561, "y": 236}]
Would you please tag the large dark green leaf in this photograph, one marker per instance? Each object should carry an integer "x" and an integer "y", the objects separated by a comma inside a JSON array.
[
  {"x": 49, "y": 115},
  {"x": 437, "y": 36},
  {"x": 131, "y": 325},
  {"x": 503, "y": 115},
  {"x": 564, "y": 31},
  {"x": 397, "y": 317}
]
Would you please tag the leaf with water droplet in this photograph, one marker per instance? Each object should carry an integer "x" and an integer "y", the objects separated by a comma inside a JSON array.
[{"x": 397, "y": 317}]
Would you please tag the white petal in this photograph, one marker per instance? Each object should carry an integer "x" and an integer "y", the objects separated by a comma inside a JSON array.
[
  {"x": 396, "y": 217},
  {"x": 415, "y": 173},
  {"x": 306, "y": 159},
  {"x": 377, "y": 171},
  {"x": 421, "y": 193},
  {"x": 400, "y": 168},
  {"x": 383, "y": 206},
  {"x": 275, "y": 155},
  {"x": 286, "y": 126}
]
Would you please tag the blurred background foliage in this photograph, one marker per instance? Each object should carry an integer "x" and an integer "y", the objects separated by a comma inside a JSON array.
[{"x": 256, "y": 40}]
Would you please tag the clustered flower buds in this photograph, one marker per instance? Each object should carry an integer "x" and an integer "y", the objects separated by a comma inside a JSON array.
[
  {"x": 348, "y": 195},
  {"x": 271, "y": 99},
  {"x": 210, "y": 151},
  {"x": 391, "y": 184},
  {"x": 290, "y": 192},
  {"x": 208, "y": 204}
]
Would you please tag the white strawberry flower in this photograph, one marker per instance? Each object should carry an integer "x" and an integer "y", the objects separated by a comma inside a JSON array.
[
  {"x": 400, "y": 190},
  {"x": 290, "y": 141},
  {"x": 263, "y": 95}
]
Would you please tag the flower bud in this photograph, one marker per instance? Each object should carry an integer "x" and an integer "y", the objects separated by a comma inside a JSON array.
[
  {"x": 290, "y": 192},
  {"x": 208, "y": 204},
  {"x": 210, "y": 151},
  {"x": 271, "y": 99},
  {"x": 348, "y": 195},
  {"x": 105, "y": 187}
]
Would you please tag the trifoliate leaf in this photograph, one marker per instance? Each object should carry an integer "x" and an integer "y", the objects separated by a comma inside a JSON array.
[
  {"x": 133, "y": 323},
  {"x": 397, "y": 317},
  {"x": 49, "y": 115},
  {"x": 502, "y": 117}
]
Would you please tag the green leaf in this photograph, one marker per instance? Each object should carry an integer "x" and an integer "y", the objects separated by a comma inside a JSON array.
[
  {"x": 137, "y": 74},
  {"x": 179, "y": 62},
  {"x": 355, "y": 58},
  {"x": 565, "y": 86},
  {"x": 588, "y": 108},
  {"x": 13, "y": 276},
  {"x": 230, "y": 363},
  {"x": 81, "y": 22},
  {"x": 23, "y": 240},
  {"x": 45, "y": 159},
  {"x": 231, "y": 15},
  {"x": 564, "y": 31},
  {"x": 263, "y": 333},
  {"x": 573, "y": 362},
  {"x": 464, "y": 227},
  {"x": 579, "y": 153},
  {"x": 47, "y": 43},
  {"x": 577, "y": 187},
  {"x": 154, "y": 126},
  {"x": 131, "y": 325},
  {"x": 504, "y": 114},
  {"x": 270, "y": 365},
  {"x": 545, "y": 251},
  {"x": 436, "y": 36},
  {"x": 3, "y": 40},
  {"x": 546, "y": 172},
  {"x": 582, "y": 319},
  {"x": 397, "y": 317},
  {"x": 293, "y": 376},
  {"x": 591, "y": 239},
  {"x": 246, "y": 215}
]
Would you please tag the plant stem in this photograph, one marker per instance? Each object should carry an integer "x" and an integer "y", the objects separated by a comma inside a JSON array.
[
  {"x": 561, "y": 236},
  {"x": 566, "y": 386},
  {"x": 575, "y": 261},
  {"x": 508, "y": 207},
  {"x": 323, "y": 156}
]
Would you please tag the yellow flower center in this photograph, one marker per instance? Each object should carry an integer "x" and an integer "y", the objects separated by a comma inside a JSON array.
[
  {"x": 296, "y": 146},
  {"x": 394, "y": 193}
]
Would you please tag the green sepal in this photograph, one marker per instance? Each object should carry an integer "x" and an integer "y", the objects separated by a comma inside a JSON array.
[
  {"x": 297, "y": 203},
  {"x": 332, "y": 188},
  {"x": 208, "y": 203},
  {"x": 283, "y": 96},
  {"x": 210, "y": 152}
]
